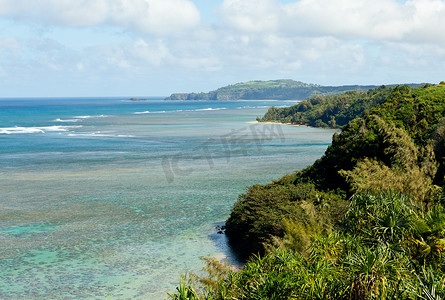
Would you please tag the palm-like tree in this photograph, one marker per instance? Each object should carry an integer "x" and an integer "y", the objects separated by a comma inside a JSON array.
[
  {"x": 427, "y": 243},
  {"x": 375, "y": 273},
  {"x": 383, "y": 218}
]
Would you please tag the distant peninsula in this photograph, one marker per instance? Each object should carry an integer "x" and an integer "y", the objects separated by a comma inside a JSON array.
[{"x": 284, "y": 89}]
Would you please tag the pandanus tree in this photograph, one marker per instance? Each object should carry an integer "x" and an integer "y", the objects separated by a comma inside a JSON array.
[{"x": 427, "y": 243}]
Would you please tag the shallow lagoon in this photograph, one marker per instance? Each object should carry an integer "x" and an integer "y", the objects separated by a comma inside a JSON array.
[{"x": 109, "y": 197}]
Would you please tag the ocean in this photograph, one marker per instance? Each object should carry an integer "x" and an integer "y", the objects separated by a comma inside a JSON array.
[{"x": 109, "y": 198}]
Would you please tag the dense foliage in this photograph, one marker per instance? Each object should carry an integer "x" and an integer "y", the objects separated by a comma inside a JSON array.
[
  {"x": 372, "y": 153},
  {"x": 259, "y": 213},
  {"x": 284, "y": 89},
  {"x": 332, "y": 111},
  {"x": 386, "y": 247},
  {"x": 365, "y": 221}
]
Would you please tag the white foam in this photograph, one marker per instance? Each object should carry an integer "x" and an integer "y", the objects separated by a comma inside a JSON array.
[
  {"x": 17, "y": 129},
  {"x": 173, "y": 111},
  {"x": 90, "y": 117},
  {"x": 125, "y": 135},
  {"x": 10, "y": 130},
  {"x": 205, "y": 109},
  {"x": 243, "y": 107},
  {"x": 99, "y": 134},
  {"x": 66, "y": 120},
  {"x": 142, "y": 112}
]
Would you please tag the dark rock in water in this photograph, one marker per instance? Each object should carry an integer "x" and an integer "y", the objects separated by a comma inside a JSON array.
[{"x": 221, "y": 229}]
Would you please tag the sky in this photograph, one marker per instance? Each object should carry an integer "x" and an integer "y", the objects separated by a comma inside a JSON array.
[{"x": 80, "y": 48}]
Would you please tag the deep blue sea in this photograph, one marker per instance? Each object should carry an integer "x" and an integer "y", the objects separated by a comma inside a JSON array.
[{"x": 108, "y": 198}]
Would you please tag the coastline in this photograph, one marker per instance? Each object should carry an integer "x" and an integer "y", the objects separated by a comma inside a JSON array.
[
  {"x": 277, "y": 123},
  {"x": 290, "y": 124}
]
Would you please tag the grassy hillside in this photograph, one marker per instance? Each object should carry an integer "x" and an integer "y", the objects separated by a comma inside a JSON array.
[{"x": 285, "y": 89}]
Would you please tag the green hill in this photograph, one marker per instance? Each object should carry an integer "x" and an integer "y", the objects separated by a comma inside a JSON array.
[
  {"x": 397, "y": 143},
  {"x": 328, "y": 111},
  {"x": 332, "y": 111},
  {"x": 285, "y": 89},
  {"x": 365, "y": 221}
]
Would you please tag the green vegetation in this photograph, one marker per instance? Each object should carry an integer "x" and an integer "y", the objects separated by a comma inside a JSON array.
[
  {"x": 284, "y": 89},
  {"x": 365, "y": 221},
  {"x": 386, "y": 247},
  {"x": 259, "y": 213},
  {"x": 337, "y": 111},
  {"x": 328, "y": 111},
  {"x": 372, "y": 153}
]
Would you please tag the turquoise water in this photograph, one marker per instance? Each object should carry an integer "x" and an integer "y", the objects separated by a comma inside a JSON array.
[{"x": 105, "y": 197}]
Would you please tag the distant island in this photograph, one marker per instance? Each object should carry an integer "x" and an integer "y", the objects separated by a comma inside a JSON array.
[{"x": 284, "y": 89}]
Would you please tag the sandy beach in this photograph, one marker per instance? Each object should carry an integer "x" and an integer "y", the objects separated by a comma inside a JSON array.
[{"x": 276, "y": 123}]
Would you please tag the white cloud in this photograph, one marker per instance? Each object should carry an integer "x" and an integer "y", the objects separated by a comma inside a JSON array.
[
  {"x": 157, "y": 17},
  {"x": 61, "y": 12},
  {"x": 148, "y": 16},
  {"x": 408, "y": 55},
  {"x": 342, "y": 40},
  {"x": 251, "y": 15},
  {"x": 415, "y": 20},
  {"x": 428, "y": 21},
  {"x": 346, "y": 19},
  {"x": 153, "y": 53},
  {"x": 321, "y": 41}
]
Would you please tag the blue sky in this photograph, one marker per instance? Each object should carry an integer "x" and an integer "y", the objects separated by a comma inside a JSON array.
[{"x": 157, "y": 47}]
